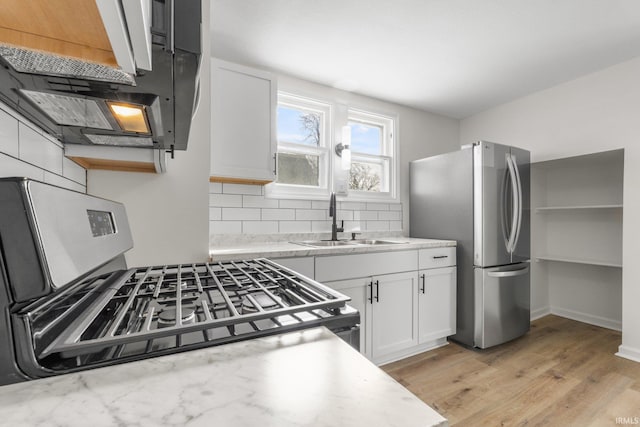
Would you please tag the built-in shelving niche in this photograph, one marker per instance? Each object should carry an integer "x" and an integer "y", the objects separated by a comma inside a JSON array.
[{"x": 576, "y": 240}]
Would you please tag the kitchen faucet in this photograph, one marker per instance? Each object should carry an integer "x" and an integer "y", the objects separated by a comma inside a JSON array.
[{"x": 333, "y": 213}]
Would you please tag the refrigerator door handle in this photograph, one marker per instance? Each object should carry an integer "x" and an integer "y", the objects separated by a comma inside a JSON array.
[
  {"x": 516, "y": 204},
  {"x": 512, "y": 273},
  {"x": 519, "y": 187}
]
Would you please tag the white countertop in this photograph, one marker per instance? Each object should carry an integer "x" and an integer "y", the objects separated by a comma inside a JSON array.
[
  {"x": 289, "y": 249},
  {"x": 307, "y": 378}
]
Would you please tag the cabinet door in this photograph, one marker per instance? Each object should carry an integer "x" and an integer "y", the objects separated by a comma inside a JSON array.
[
  {"x": 358, "y": 290},
  {"x": 437, "y": 303},
  {"x": 394, "y": 316},
  {"x": 243, "y": 110}
]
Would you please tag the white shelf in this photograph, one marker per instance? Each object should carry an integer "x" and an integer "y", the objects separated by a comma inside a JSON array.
[
  {"x": 578, "y": 261},
  {"x": 544, "y": 209}
]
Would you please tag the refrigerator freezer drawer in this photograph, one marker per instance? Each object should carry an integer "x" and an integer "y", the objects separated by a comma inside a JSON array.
[{"x": 502, "y": 304}]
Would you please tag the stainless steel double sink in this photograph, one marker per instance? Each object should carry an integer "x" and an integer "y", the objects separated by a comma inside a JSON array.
[{"x": 357, "y": 242}]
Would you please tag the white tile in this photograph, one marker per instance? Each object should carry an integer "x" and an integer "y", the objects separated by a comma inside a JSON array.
[
  {"x": 395, "y": 225},
  {"x": 74, "y": 171},
  {"x": 225, "y": 200},
  {"x": 390, "y": 215},
  {"x": 240, "y": 214},
  {"x": 377, "y": 225},
  {"x": 295, "y": 204},
  {"x": 354, "y": 206},
  {"x": 395, "y": 206},
  {"x": 63, "y": 182},
  {"x": 10, "y": 166},
  {"x": 278, "y": 214},
  {"x": 215, "y": 187},
  {"x": 344, "y": 215},
  {"x": 37, "y": 150},
  {"x": 365, "y": 215},
  {"x": 259, "y": 227},
  {"x": 225, "y": 227},
  {"x": 320, "y": 204},
  {"x": 256, "y": 190},
  {"x": 310, "y": 214},
  {"x": 258, "y": 202},
  {"x": 377, "y": 206},
  {"x": 215, "y": 214},
  {"x": 320, "y": 226},
  {"x": 295, "y": 226},
  {"x": 8, "y": 134},
  {"x": 352, "y": 226}
]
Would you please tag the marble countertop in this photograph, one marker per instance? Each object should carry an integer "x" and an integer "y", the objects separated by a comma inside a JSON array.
[
  {"x": 289, "y": 249},
  {"x": 306, "y": 378}
]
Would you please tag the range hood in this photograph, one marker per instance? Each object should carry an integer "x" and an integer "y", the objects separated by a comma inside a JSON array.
[{"x": 83, "y": 102}]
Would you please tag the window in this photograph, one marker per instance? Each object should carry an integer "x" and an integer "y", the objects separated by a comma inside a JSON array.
[
  {"x": 303, "y": 129},
  {"x": 372, "y": 148}
]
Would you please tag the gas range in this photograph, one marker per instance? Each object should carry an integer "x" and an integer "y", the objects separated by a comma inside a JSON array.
[{"x": 56, "y": 322}]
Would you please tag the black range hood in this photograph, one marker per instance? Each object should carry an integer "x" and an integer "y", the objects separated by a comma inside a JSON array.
[{"x": 81, "y": 102}]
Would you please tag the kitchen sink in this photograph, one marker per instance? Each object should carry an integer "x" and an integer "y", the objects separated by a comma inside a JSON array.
[
  {"x": 329, "y": 243},
  {"x": 325, "y": 243},
  {"x": 375, "y": 242}
]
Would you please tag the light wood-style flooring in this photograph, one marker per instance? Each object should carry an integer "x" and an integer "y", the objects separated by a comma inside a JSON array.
[{"x": 562, "y": 373}]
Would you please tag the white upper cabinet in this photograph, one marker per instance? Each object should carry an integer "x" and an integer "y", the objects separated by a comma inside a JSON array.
[{"x": 243, "y": 109}]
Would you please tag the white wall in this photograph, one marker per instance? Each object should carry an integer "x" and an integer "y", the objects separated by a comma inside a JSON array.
[
  {"x": 168, "y": 213},
  {"x": 26, "y": 151},
  {"x": 597, "y": 112}
]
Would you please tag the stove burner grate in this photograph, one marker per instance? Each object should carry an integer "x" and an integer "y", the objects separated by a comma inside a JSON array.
[{"x": 214, "y": 303}]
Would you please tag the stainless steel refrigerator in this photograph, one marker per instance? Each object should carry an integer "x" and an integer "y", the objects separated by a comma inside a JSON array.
[{"x": 479, "y": 196}]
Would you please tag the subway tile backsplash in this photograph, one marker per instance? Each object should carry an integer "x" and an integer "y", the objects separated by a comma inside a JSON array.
[
  {"x": 243, "y": 209},
  {"x": 27, "y": 151}
]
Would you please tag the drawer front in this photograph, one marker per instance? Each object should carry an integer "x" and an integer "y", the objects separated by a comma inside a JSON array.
[
  {"x": 341, "y": 267},
  {"x": 437, "y": 257}
]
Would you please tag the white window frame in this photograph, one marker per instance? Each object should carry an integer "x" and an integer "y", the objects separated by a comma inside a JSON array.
[
  {"x": 388, "y": 123},
  {"x": 291, "y": 191}
]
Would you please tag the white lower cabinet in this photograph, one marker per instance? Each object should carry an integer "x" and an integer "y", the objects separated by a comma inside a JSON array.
[
  {"x": 436, "y": 304},
  {"x": 394, "y": 310},
  {"x": 401, "y": 312},
  {"x": 358, "y": 291}
]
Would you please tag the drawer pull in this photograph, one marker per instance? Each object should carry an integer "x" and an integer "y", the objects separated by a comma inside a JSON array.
[{"x": 440, "y": 256}]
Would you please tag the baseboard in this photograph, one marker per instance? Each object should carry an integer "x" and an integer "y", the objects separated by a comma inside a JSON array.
[
  {"x": 603, "y": 322},
  {"x": 540, "y": 312},
  {"x": 431, "y": 345},
  {"x": 628, "y": 353}
]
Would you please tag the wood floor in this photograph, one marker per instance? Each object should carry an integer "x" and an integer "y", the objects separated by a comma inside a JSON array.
[{"x": 562, "y": 373}]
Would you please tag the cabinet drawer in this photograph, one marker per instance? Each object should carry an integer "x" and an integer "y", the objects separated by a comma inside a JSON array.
[
  {"x": 437, "y": 257},
  {"x": 340, "y": 267}
]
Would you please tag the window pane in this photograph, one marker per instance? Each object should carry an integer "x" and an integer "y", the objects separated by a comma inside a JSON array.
[
  {"x": 366, "y": 176},
  {"x": 366, "y": 138},
  {"x": 298, "y": 126},
  {"x": 298, "y": 169}
]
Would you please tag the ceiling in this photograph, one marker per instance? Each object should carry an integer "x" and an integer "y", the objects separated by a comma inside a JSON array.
[{"x": 451, "y": 57}]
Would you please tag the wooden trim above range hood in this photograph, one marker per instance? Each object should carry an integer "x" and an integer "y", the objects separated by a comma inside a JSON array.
[{"x": 66, "y": 27}]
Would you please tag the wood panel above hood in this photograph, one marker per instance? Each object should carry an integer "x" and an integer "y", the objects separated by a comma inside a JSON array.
[{"x": 65, "y": 27}]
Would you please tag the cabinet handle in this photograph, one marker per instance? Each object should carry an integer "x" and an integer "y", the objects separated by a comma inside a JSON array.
[
  {"x": 424, "y": 279},
  {"x": 275, "y": 164},
  {"x": 440, "y": 256},
  {"x": 370, "y": 285},
  {"x": 377, "y": 291}
]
